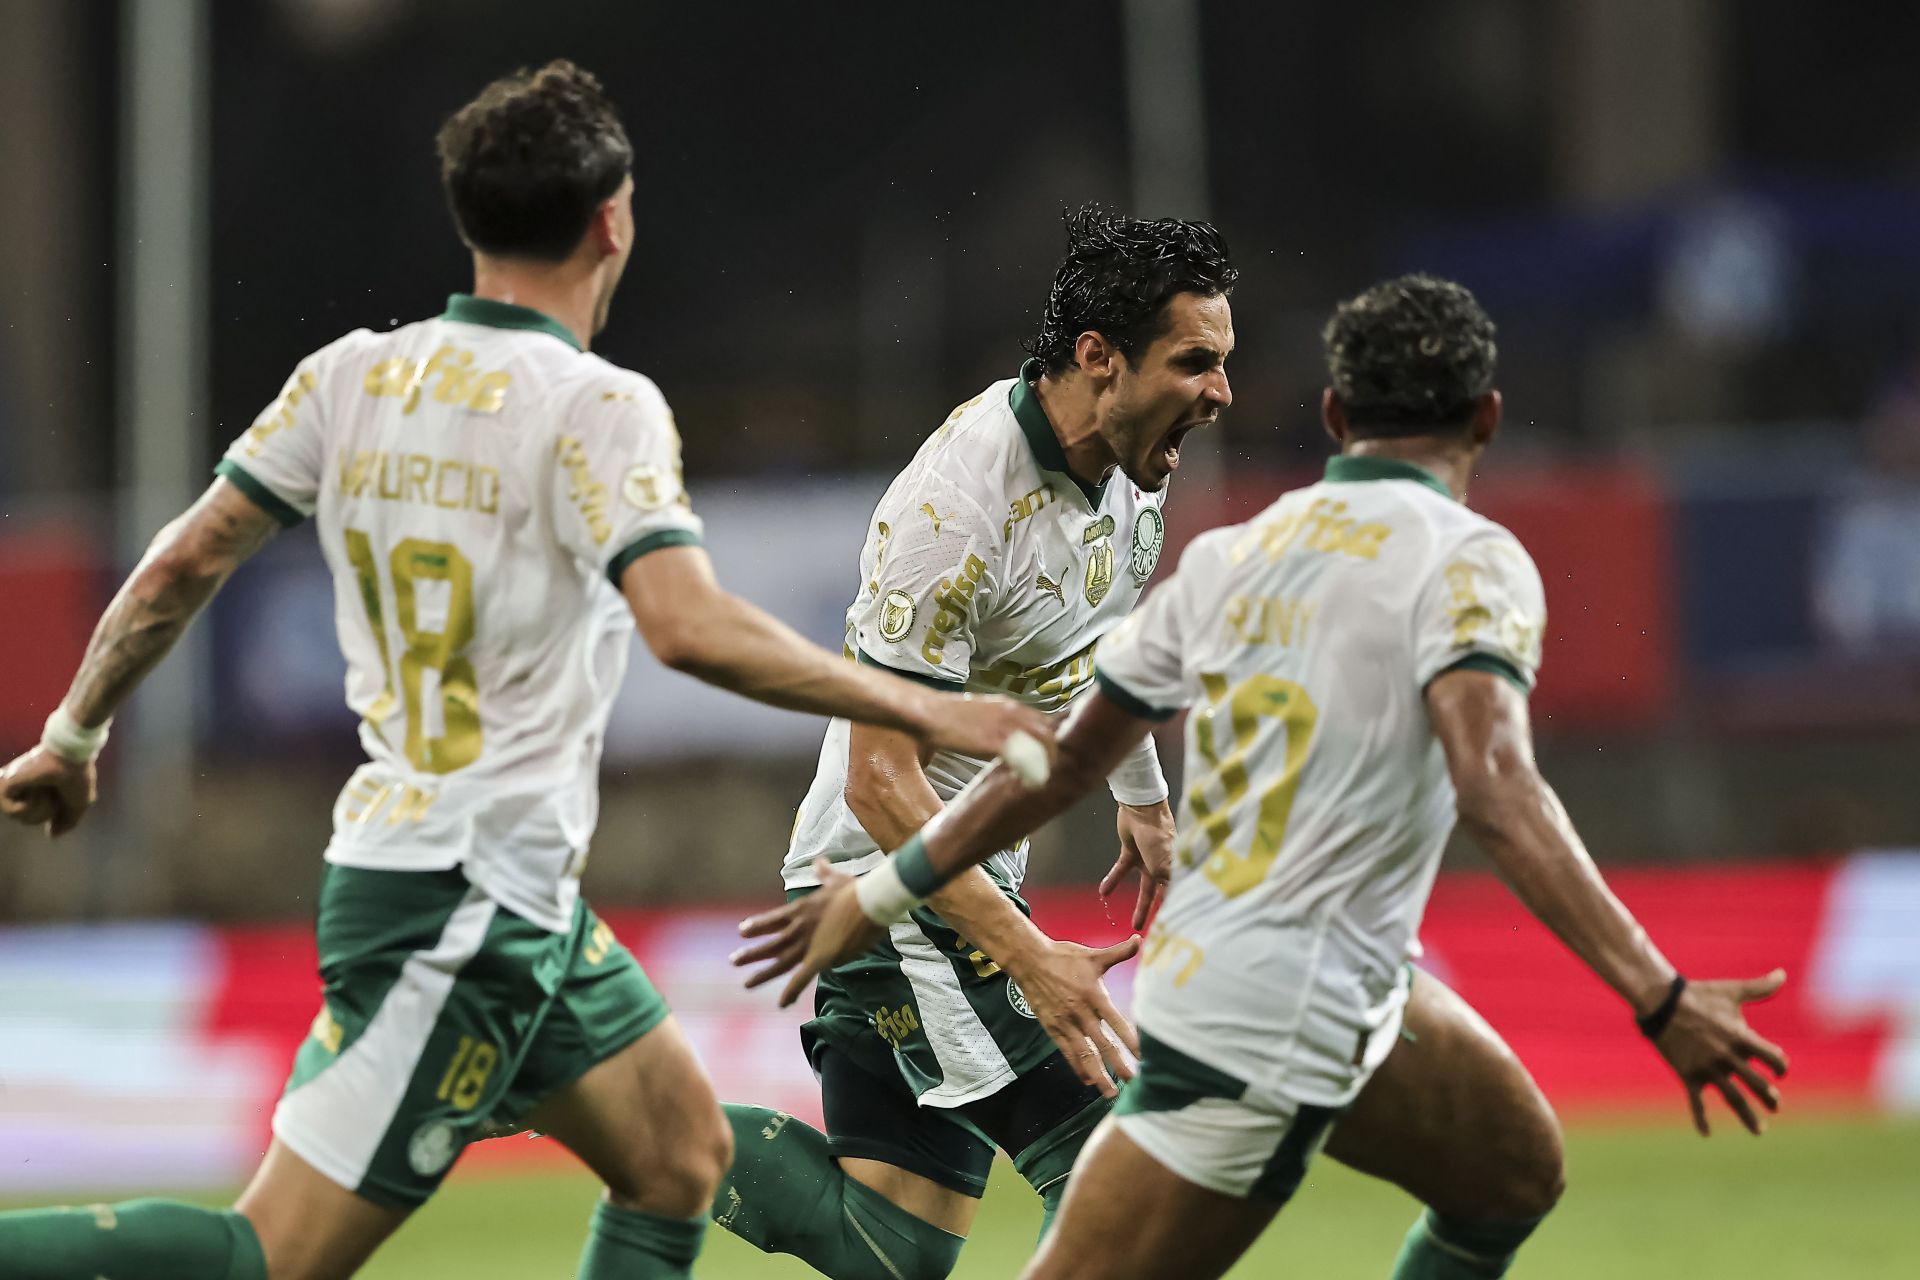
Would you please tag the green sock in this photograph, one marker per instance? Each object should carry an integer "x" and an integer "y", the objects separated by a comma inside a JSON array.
[
  {"x": 786, "y": 1194},
  {"x": 626, "y": 1244},
  {"x": 152, "y": 1239},
  {"x": 1448, "y": 1248}
]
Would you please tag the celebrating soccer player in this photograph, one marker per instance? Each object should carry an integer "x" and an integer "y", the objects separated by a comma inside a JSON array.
[
  {"x": 1023, "y": 530},
  {"x": 1357, "y": 659},
  {"x": 494, "y": 502}
]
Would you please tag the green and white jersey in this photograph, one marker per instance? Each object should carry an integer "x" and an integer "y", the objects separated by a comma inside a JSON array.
[
  {"x": 480, "y": 483},
  {"x": 1318, "y": 800},
  {"x": 989, "y": 567}
]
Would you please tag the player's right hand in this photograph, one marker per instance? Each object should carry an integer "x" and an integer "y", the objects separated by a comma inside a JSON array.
[
  {"x": 980, "y": 726},
  {"x": 41, "y": 789},
  {"x": 1063, "y": 986},
  {"x": 1709, "y": 1045}
]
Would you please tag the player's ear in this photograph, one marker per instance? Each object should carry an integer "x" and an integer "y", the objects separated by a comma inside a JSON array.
[
  {"x": 1333, "y": 416},
  {"x": 1097, "y": 357},
  {"x": 611, "y": 227},
  {"x": 1487, "y": 411}
]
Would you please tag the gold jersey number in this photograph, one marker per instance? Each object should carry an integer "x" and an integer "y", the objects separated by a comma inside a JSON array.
[
  {"x": 1242, "y": 708},
  {"x": 412, "y": 562}
]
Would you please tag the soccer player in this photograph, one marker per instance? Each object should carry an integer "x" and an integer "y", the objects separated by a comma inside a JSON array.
[
  {"x": 1023, "y": 530},
  {"x": 498, "y": 507},
  {"x": 1358, "y": 658}
]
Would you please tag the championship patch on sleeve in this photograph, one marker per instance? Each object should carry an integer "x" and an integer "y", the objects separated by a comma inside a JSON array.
[
  {"x": 649, "y": 487},
  {"x": 896, "y": 615}
]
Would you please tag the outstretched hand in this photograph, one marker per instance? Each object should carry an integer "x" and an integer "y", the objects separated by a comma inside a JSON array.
[
  {"x": 41, "y": 789},
  {"x": 1063, "y": 987},
  {"x": 809, "y": 935},
  {"x": 1709, "y": 1045}
]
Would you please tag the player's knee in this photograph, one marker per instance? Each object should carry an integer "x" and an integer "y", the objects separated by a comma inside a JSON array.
[
  {"x": 1534, "y": 1183},
  {"x": 681, "y": 1178}
]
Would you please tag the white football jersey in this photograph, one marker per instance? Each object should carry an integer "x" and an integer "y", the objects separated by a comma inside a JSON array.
[
  {"x": 1318, "y": 800},
  {"x": 988, "y": 567},
  {"x": 481, "y": 483}
]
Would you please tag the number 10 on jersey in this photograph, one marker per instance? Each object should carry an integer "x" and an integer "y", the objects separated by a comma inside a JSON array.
[
  {"x": 419, "y": 569},
  {"x": 1242, "y": 708}
]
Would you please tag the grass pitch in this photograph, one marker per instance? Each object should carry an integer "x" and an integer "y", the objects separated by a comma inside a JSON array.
[{"x": 1815, "y": 1199}]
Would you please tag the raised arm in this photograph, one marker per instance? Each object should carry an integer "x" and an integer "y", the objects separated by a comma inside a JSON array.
[
  {"x": 695, "y": 626},
  {"x": 1483, "y": 725},
  {"x": 185, "y": 565}
]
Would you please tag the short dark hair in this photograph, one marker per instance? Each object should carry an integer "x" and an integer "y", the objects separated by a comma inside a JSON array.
[
  {"x": 1118, "y": 276},
  {"x": 1410, "y": 356},
  {"x": 527, "y": 162}
]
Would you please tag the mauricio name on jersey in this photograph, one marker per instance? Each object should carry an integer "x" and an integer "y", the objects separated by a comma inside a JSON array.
[
  {"x": 989, "y": 566},
  {"x": 481, "y": 484}
]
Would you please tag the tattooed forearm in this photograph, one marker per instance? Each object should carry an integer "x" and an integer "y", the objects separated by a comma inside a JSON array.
[{"x": 184, "y": 567}]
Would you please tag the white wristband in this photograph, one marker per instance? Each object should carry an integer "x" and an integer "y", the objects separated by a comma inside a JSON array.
[
  {"x": 883, "y": 895},
  {"x": 1138, "y": 780},
  {"x": 70, "y": 740}
]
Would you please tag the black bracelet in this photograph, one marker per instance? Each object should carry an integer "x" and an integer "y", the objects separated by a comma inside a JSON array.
[{"x": 1652, "y": 1024}]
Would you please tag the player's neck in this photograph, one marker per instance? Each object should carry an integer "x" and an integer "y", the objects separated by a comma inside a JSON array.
[
  {"x": 560, "y": 292},
  {"x": 1071, "y": 413},
  {"x": 1451, "y": 464}
]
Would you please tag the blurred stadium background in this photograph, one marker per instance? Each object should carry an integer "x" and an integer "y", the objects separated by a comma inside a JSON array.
[{"x": 1694, "y": 220}]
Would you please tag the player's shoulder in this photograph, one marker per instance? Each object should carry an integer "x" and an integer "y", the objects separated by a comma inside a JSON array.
[
  {"x": 590, "y": 388},
  {"x": 1459, "y": 527},
  {"x": 976, "y": 454}
]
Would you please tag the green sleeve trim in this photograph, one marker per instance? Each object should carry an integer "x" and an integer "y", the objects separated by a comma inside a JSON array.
[
  {"x": 1493, "y": 666},
  {"x": 945, "y": 685},
  {"x": 262, "y": 497},
  {"x": 1133, "y": 706},
  {"x": 617, "y": 567}
]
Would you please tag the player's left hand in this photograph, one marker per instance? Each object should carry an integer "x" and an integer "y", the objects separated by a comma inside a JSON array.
[
  {"x": 1146, "y": 847},
  {"x": 809, "y": 935},
  {"x": 41, "y": 789},
  {"x": 1709, "y": 1045}
]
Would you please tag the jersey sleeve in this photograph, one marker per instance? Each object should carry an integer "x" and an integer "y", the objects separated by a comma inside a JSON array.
[
  {"x": 1484, "y": 607},
  {"x": 618, "y": 491},
  {"x": 932, "y": 563},
  {"x": 1138, "y": 664},
  {"x": 277, "y": 461}
]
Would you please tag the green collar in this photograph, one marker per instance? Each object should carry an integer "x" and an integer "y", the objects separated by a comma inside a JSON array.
[
  {"x": 467, "y": 309},
  {"x": 1348, "y": 467},
  {"x": 1039, "y": 432}
]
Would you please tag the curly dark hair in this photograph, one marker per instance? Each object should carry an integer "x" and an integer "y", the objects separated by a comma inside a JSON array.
[
  {"x": 526, "y": 163},
  {"x": 1118, "y": 276},
  {"x": 1410, "y": 356}
]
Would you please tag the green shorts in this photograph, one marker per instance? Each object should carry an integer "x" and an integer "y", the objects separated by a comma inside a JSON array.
[
  {"x": 444, "y": 1014},
  {"x": 1213, "y": 1130},
  {"x": 927, "y": 1004},
  {"x": 929, "y": 1057}
]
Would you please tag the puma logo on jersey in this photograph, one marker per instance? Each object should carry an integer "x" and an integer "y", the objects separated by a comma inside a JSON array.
[
  {"x": 926, "y": 509},
  {"x": 772, "y": 1128},
  {"x": 1049, "y": 586}
]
